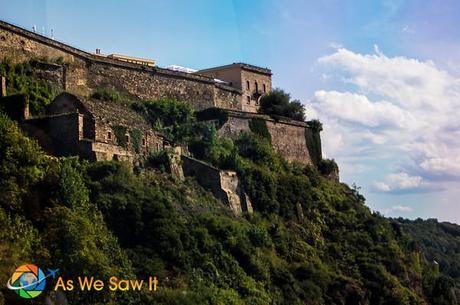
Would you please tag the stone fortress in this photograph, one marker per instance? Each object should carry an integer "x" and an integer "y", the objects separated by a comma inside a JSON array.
[{"x": 75, "y": 124}]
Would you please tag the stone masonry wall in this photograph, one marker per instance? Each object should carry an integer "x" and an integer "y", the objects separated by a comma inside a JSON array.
[
  {"x": 261, "y": 79},
  {"x": 145, "y": 84},
  {"x": 227, "y": 97},
  {"x": 289, "y": 141},
  {"x": 58, "y": 134},
  {"x": 224, "y": 185},
  {"x": 84, "y": 72},
  {"x": 287, "y": 136},
  {"x": 52, "y": 73}
]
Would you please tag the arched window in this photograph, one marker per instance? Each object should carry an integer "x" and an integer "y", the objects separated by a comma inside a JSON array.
[
  {"x": 248, "y": 87},
  {"x": 257, "y": 87},
  {"x": 265, "y": 89}
]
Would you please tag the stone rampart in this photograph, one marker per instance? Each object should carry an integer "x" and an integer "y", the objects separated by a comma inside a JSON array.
[
  {"x": 82, "y": 72},
  {"x": 288, "y": 137}
]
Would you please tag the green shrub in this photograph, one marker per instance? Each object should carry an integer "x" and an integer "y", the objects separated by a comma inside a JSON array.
[
  {"x": 136, "y": 136},
  {"x": 259, "y": 127},
  {"x": 22, "y": 166},
  {"x": 327, "y": 167},
  {"x": 258, "y": 150},
  {"x": 159, "y": 160},
  {"x": 120, "y": 134},
  {"x": 168, "y": 112},
  {"x": 219, "y": 115},
  {"x": 111, "y": 95},
  {"x": 313, "y": 140},
  {"x": 21, "y": 79},
  {"x": 278, "y": 103}
]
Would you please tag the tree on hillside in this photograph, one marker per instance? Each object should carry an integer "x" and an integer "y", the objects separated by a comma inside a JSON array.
[{"x": 279, "y": 102}]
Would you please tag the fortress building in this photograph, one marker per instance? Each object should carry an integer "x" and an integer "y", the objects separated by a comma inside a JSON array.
[
  {"x": 93, "y": 129},
  {"x": 78, "y": 125},
  {"x": 252, "y": 81}
]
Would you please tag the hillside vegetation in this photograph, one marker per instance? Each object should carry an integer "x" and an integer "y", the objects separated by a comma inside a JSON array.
[{"x": 310, "y": 241}]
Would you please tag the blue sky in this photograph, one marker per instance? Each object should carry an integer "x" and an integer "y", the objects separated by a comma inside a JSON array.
[{"x": 383, "y": 76}]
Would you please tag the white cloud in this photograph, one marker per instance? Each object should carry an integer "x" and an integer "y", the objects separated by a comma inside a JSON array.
[
  {"x": 357, "y": 108},
  {"x": 335, "y": 45},
  {"x": 398, "y": 182},
  {"x": 398, "y": 109},
  {"x": 397, "y": 209},
  {"x": 407, "y": 29},
  {"x": 406, "y": 81}
]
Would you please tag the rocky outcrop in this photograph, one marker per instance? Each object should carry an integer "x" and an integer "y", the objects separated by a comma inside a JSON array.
[{"x": 225, "y": 185}]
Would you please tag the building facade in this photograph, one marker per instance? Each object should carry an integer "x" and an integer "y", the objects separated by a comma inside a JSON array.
[
  {"x": 94, "y": 129},
  {"x": 253, "y": 81}
]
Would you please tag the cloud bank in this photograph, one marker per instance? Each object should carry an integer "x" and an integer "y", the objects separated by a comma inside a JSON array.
[{"x": 399, "y": 113}]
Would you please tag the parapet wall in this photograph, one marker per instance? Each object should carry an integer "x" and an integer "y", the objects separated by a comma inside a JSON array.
[
  {"x": 288, "y": 137},
  {"x": 84, "y": 72}
]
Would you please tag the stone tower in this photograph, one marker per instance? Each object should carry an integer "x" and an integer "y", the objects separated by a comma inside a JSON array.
[{"x": 253, "y": 82}]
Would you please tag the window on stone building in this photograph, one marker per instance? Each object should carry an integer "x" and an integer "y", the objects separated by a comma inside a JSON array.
[
  {"x": 143, "y": 141},
  {"x": 265, "y": 89},
  {"x": 127, "y": 139},
  {"x": 109, "y": 135},
  {"x": 257, "y": 86},
  {"x": 248, "y": 87},
  {"x": 248, "y": 98}
]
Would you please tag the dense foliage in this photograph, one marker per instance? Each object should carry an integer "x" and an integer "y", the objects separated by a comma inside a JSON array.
[
  {"x": 311, "y": 242},
  {"x": 173, "y": 119},
  {"x": 279, "y": 103},
  {"x": 440, "y": 245},
  {"x": 21, "y": 79}
]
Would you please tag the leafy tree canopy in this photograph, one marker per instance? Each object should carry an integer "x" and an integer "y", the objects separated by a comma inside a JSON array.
[{"x": 278, "y": 102}]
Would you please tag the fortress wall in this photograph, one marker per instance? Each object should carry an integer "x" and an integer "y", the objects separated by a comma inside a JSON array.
[
  {"x": 287, "y": 136},
  {"x": 18, "y": 45},
  {"x": 227, "y": 97},
  {"x": 52, "y": 73},
  {"x": 84, "y": 72},
  {"x": 21, "y": 46},
  {"x": 289, "y": 141},
  {"x": 151, "y": 84},
  {"x": 234, "y": 126}
]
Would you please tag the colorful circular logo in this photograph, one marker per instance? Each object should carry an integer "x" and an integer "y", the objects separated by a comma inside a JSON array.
[{"x": 28, "y": 281}]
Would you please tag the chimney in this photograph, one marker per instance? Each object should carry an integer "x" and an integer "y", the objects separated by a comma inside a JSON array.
[
  {"x": 98, "y": 51},
  {"x": 3, "y": 86}
]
